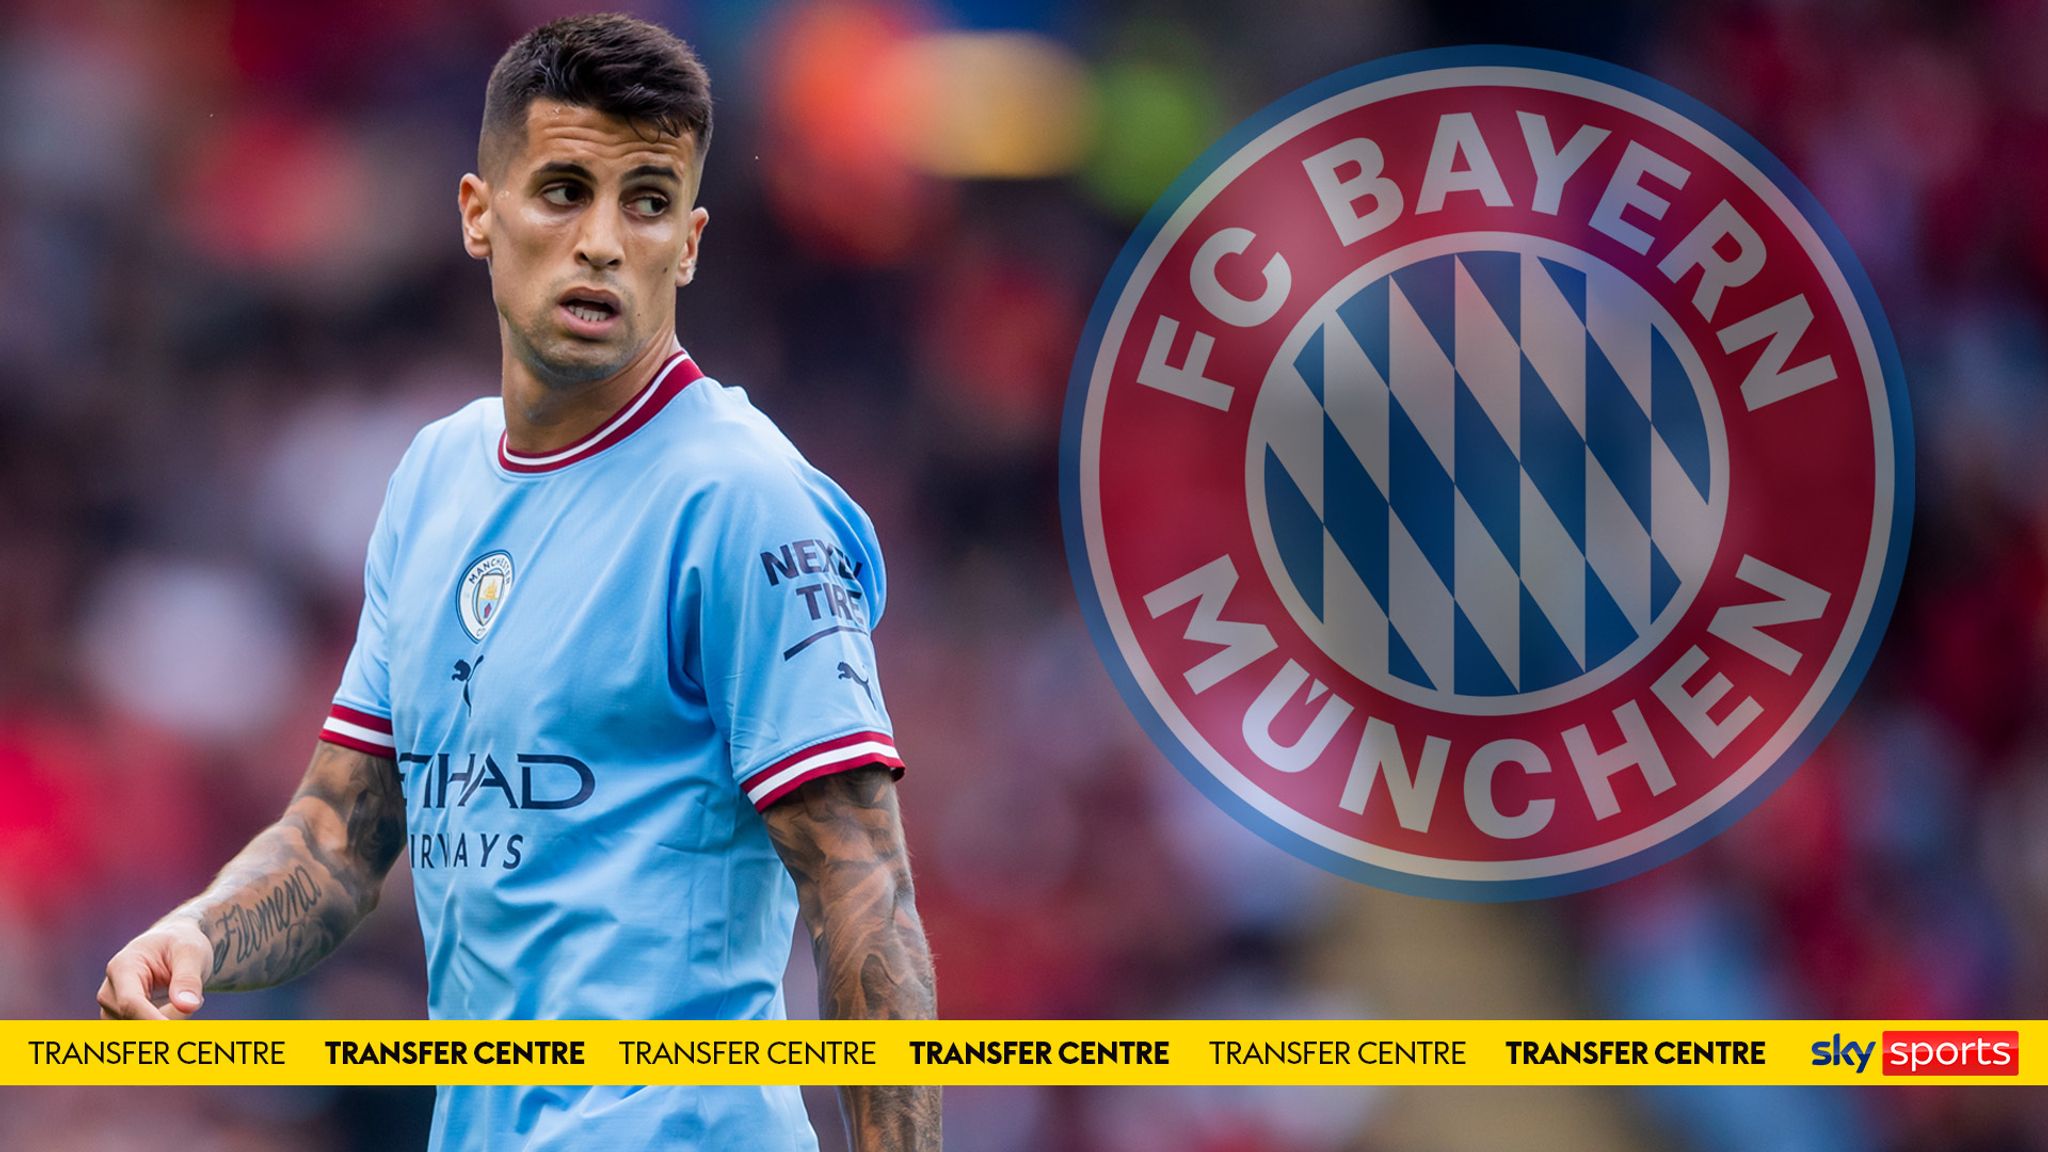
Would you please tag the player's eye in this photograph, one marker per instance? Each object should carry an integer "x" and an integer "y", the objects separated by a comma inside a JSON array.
[
  {"x": 648, "y": 203},
  {"x": 562, "y": 195}
]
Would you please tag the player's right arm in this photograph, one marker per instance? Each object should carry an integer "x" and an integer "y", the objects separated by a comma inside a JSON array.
[{"x": 281, "y": 905}]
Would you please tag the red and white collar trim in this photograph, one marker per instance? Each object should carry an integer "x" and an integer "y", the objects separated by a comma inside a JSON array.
[{"x": 676, "y": 373}]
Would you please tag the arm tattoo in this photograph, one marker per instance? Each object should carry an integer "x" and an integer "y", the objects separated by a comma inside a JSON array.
[
  {"x": 842, "y": 839},
  {"x": 241, "y": 931},
  {"x": 304, "y": 883}
]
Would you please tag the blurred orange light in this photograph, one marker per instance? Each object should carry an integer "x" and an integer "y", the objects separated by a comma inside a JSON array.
[
  {"x": 1005, "y": 105},
  {"x": 829, "y": 162}
]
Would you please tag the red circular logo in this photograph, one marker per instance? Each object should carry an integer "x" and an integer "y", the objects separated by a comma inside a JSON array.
[{"x": 1487, "y": 472}]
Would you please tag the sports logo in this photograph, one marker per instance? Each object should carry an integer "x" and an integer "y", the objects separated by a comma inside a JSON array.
[
  {"x": 481, "y": 595},
  {"x": 1487, "y": 473}
]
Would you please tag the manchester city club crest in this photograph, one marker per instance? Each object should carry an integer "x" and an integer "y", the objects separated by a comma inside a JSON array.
[
  {"x": 481, "y": 596},
  {"x": 1487, "y": 473}
]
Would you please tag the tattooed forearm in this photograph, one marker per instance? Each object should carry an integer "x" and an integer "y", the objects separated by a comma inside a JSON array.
[
  {"x": 303, "y": 884},
  {"x": 241, "y": 931},
  {"x": 842, "y": 839}
]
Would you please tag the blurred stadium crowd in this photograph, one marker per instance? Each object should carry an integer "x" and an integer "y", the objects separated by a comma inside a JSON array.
[{"x": 231, "y": 289}]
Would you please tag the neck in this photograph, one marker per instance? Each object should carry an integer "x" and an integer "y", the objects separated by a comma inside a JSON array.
[{"x": 542, "y": 417}]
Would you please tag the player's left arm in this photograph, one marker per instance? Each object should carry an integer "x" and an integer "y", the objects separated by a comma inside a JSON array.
[{"x": 842, "y": 838}]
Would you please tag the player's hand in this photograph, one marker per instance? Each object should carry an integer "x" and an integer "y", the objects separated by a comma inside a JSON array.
[{"x": 160, "y": 975}]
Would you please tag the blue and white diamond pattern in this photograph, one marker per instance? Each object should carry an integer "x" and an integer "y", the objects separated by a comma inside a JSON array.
[{"x": 1488, "y": 473}]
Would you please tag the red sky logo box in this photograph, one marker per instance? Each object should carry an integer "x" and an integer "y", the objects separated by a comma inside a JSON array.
[
  {"x": 1952, "y": 1053},
  {"x": 1487, "y": 473}
]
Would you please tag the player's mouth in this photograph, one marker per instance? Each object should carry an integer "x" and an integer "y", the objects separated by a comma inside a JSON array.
[{"x": 588, "y": 312}]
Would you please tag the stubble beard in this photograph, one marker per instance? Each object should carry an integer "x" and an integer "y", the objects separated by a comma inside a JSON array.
[{"x": 562, "y": 362}]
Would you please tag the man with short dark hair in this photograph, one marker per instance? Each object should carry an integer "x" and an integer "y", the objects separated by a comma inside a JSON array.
[{"x": 613, "y": 685}]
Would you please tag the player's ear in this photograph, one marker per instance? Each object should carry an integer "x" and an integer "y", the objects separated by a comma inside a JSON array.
[
  {"x": 473, "y": 197},
  {"x": 686, "y": 268}
]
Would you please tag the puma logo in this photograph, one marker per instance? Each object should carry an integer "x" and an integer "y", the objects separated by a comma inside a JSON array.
[
  {"x": 464, "y": 670},
  {"x": 846, "y": 672}
]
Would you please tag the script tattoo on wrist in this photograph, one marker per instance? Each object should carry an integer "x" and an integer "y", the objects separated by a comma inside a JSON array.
[
  {"x": 244, "y": 929},
  {"x": 842, "y": 840},
  {"x": 303, "y": 884},
  {"x": 281, "y": 913}
]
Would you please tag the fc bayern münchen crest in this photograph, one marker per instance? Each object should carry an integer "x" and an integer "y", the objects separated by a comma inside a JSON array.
[{"x": 1487, "y": 472}]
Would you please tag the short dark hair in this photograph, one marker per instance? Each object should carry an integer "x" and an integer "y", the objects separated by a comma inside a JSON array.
[{"x": 615, "y": 64}]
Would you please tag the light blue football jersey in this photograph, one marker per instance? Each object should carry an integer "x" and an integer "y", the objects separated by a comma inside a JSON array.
[{"x": 592, "y": 669}]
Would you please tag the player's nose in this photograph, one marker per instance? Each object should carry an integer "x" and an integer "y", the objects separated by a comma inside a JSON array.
[{"x": 598, "y": 242}]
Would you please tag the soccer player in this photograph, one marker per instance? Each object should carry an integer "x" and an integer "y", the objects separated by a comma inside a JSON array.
[{"x": 613, "y": 686}]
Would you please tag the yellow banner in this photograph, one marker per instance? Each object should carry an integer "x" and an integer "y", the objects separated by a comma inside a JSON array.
[{"x": 1505, "y": 1052}]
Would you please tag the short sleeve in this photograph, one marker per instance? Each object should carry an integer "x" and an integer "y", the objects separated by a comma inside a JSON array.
[
  {"x": 360, "y": 717},
  {"x": 789, "y": 587}
]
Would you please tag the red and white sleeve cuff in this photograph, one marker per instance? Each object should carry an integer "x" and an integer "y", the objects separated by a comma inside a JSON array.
[
  {"x": 360, "y": 731},
  {"x": 839, "y": 754}
]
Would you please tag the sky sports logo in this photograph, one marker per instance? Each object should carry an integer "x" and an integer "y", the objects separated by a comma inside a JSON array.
[{"x": 1926, "y": 1053}]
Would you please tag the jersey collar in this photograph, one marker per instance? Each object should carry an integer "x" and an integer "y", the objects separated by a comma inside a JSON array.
[{"x": 675, "y": 374}]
